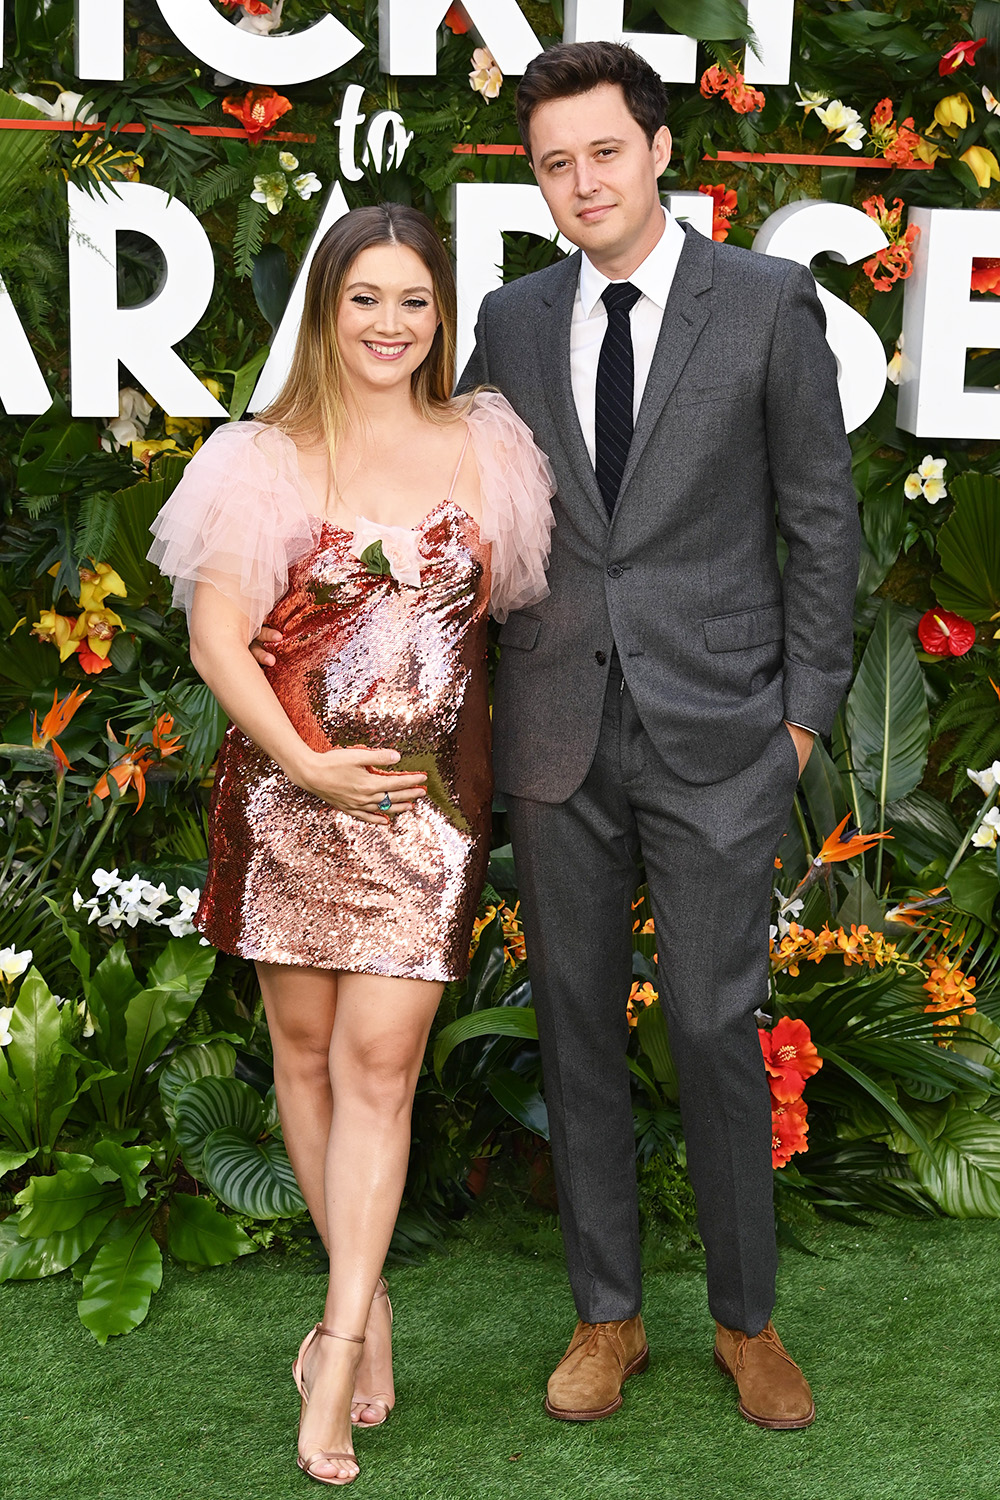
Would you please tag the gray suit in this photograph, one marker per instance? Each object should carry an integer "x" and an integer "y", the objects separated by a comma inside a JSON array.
[{"x": 639, "y": 712}]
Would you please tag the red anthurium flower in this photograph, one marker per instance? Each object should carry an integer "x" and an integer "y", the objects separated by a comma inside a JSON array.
[
  {"x": 257, "y": 111},
  {"x": 788, "y": 1131},
  {"x": 962, "y": 55},
  {"x": 457, "y": 21},
  {"x": 944, "y": 634},
  {"x": 724, "y": 204},
  {"x": 789, "y": 1059},
  {"x": 986, "y": 274}
]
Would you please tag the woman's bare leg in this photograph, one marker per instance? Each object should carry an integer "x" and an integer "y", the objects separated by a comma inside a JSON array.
[
  {"x": 379, "y": 1036},
  {"x": 300, "y": 1005}
]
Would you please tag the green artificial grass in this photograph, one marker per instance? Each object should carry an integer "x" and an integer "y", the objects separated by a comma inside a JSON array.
[{"x": 895, "y": 1324}]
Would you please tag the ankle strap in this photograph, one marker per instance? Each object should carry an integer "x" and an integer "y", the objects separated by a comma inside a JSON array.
[{"x": 348, "y": 1338}]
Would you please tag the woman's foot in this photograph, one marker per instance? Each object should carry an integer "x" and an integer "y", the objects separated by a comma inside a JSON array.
[
  {"x": 374, "y": 1393},
  {"x": 325, "y": 1373}
]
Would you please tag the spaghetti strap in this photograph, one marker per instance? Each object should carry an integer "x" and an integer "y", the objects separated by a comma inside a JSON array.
[{"x": 461, "y": 461}]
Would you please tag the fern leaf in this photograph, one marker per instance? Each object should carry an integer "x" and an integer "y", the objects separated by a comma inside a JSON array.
[
  {"x": 249, "y": 236},
  {"x": 220, "y": 182}
]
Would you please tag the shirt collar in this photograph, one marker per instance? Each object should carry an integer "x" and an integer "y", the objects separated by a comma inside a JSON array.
[{"x": 653, "y": 277}]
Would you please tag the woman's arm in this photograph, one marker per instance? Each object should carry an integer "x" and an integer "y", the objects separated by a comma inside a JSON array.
[{"x": 220, "y": 634}]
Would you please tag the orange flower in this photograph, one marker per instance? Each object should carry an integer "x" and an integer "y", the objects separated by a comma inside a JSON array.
[
  {"x": 724, "y": 206},
  {"x": 456, "y": 20},
  {"x": 789, "y": 1058},
  {"x": 743, "y": 99},
  {"x": 897, "y": 143},
  {"x": 907, "y": 913},
  {"x": 894, "y": 262},
  {"x": 162, "y": 730},
  {"x": 859, "y": 946},
  {"x": 788, "y": 1131},
  {"x": 730, "y": 83},
  {"x": 257, "y": 111},
  {"x": 252, "y": 7},
  {"x": 89, "y": 659},
  {"x": 641, "y": 996},
  {"x": 986, "y": 274},
  {"x": 846, "y": 843},
  {"x": 950, "y": 991},
  {"x": 54, "y": 723}
]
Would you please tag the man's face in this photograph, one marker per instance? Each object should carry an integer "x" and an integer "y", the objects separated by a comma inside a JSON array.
[{"x": 597, "y": 172}]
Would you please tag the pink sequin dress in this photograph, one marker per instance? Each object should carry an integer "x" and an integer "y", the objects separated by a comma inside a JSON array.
[{"x": 365, "y": 659}]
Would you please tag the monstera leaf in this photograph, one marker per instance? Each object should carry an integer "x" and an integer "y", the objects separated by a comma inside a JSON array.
[
  {"x": 969, "y": 549},
  {"x": 887, "y": 715},
  {"x": 964, "y": 1174}
]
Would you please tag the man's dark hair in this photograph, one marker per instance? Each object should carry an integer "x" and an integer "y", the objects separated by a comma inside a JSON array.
[{"x": 577, "y": 67}]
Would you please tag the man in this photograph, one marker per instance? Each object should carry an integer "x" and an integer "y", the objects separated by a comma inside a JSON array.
[{"x": 661, "y": 702}]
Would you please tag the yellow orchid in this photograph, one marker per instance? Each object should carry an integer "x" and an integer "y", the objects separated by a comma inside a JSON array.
[
  {"x": 954, "y": 113},
  {"x": 58, "y": 630},
  {"x": 982, "y": 164},
  {"x": 212, "y": 386},
  {"x": 99, "y": 628},
  {"x": 928, "y": 150},
  {"x": 97, "y": 583}
]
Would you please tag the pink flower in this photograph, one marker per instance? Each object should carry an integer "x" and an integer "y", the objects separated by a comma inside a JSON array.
[{"x": 400, "y": 548}]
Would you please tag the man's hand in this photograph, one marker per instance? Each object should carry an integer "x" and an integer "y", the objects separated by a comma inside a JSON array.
[
  {"x": 802, "y": 739},
  {"x": 260, "y": 643}
]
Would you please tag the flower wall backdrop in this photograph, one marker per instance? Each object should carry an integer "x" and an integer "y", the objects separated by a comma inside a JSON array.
[{"x": 136, "y": 1108}]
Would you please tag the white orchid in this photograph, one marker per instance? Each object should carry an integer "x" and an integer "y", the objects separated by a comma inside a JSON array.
[
  {"x": 66, "y": 107},
  {"x": 270, "y": 188},
  {"x": 113, "y": 917},
  {"x": 263, "y": 24},
  {"x": 130, "y": 892},
  {"x": 985, "y": 836},
  {"x": 843, "y": 122},
  {"x": 486, "y": 77},
  {"x": 6, "y": 1012},
  {"x": 927, "y": 480},
  {"x": 991, "y": 101},
  {"x": 288, "y": 161},
  {"x": 987, "y": 781},
  {"x": 306, "y": 184},
  {"x": 894, "y": 369},
  {"x": 809, "y": 99},
  {"x": 13, "y": 964},
  {"x": 106, "y": 880}
]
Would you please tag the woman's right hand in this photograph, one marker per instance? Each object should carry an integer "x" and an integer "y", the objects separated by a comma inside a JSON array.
[{"x": 345, "y": 779}]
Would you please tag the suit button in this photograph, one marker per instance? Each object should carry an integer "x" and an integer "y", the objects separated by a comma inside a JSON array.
[
  {"x": 600, "y": 658},
  {"x": 615, "y": 570}
]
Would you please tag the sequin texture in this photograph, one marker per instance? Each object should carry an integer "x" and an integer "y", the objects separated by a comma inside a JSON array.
[{"x": 365, "y": 660}]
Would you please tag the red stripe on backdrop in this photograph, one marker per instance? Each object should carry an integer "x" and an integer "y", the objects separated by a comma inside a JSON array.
[
  {"x": 216, "y": 130},
  {"x": 872, "y": 162}
]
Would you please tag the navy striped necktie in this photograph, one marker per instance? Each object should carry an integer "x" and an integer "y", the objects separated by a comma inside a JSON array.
[{"x": 615, "y": 391}]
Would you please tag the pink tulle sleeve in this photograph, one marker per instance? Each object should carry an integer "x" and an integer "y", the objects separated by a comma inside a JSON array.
[
  {"x": 237, "y": 520},
  {"x": 517, "y": 485}
]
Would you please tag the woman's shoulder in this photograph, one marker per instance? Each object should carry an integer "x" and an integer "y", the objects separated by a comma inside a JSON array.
[{"x": 488, "y": 411}]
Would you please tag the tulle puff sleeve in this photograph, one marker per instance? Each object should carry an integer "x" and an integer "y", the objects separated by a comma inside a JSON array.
[
  {"x": 517, "y": 484},
  {"x": 237, "y": 520}
]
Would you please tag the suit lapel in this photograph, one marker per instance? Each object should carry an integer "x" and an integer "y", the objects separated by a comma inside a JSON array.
[
  {"x": 684, "y": 317},
  {"x": 553, "y": 337}
]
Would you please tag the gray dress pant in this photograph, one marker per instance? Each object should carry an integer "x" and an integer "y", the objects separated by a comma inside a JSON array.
[{"x": 709, "y": 856}]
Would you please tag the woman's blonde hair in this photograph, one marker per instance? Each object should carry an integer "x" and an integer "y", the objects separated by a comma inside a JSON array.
[{"x": 311, "y": 402}]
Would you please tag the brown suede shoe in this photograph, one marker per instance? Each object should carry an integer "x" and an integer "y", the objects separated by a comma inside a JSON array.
[
  {"x": 587, "y": 1382},
  {"x": 773, "y": 1390}
]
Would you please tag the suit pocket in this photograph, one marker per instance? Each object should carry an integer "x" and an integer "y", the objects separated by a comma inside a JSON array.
[
  {"x": 696, "y": 394},
  {"x": 749, "y": 627},
  {"x": 520, "y": 631}
]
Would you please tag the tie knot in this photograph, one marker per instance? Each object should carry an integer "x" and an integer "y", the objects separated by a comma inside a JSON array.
[{"x": 620, "y": 297}]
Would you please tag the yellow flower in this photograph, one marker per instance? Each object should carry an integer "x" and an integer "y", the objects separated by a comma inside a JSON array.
[
  {"x": 190, "y": 425},
  {"x": 213, "y": 386},
  {"x": 58, "y": 629},
  {"x": 954, "y": 113},
  {"x": 928, "y": 151},
  {"x": 97, "y": 584},
  {"x": 99, "y": 627},
  {"x": 982, "y": 164}
]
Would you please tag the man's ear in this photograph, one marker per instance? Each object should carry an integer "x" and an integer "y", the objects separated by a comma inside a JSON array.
[{"x": 662, "y": 146}]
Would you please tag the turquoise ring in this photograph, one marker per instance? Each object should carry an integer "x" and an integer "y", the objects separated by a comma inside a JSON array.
[{"x": 386, "y": 804}]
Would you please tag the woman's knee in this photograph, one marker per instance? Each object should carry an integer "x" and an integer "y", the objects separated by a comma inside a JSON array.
[{"x": 380, "y": 1074}]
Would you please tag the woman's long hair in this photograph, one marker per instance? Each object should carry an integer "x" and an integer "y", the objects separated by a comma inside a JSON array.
[{"x": 311, "y": 402}]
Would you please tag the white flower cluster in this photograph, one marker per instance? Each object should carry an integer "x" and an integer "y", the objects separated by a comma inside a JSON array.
[
  {"x": 985, "y": 836},
  {"x": 136, "y": 900},
  {"x": 271, "y": 188},
  {"x": 927, "y": 480},
  {"x": 839, "y": 118},
  {"x": 789, "y": 911}
]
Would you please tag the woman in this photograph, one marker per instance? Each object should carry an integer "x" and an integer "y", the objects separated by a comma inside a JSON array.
[{"x": 372, "y": 522}]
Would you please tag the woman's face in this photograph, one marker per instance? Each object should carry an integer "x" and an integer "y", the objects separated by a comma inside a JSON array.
[{"x": 387, "y": 317}]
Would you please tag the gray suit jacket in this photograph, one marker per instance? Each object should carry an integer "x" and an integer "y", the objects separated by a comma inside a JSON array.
[{"x": 740, "y": 420}]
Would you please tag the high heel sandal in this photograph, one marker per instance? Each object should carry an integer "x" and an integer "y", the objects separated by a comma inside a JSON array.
[
  {"x": 386, "y": 1403},
  {"x": 298, "y": 1367}
]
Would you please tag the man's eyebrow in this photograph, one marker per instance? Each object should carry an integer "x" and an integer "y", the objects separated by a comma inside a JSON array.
[{"x": 610, "y": 140}]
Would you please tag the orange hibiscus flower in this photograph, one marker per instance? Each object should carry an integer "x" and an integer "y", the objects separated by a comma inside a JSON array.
[
  {"x": 724, "y": 206},
  {"x": 789, "y": 1058},
  {"x": 257, "y": 111},
  {"x": 788, "y": 1131}
]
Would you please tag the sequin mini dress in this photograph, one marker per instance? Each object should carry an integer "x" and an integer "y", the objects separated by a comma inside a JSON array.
[{"x": 365, "y": 659}]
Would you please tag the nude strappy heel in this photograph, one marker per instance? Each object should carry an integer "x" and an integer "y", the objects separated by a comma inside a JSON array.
[
  {"x": 297, "y": 1368},
  {"x": 386, "y": 1403}
]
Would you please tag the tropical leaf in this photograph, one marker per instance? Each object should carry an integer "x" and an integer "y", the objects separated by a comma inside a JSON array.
[
  {"x": 210, "y": 1104},
  {"x": 251, "y": 1176},
  {"x": 973, "y": 886},
  {"x": 969, "y": 549},
  {"x": 204, "y": 1060},
  {"x": 122, "y": 1278},
  {"x": 199, "y": 1235},
  {"x": 53, "y": 1204},
  {"x": 500, "y": 1020},
  {"x": 135, "y": 509},
  {"x": 30, "y": 1259},
  {"x": 887, "y": 713},
  {"x": 652, "y": 1029},
  {"x": 521, "y": 1099},
  {"x": 272, "y": 283},
  {"x": 127, "y": 1163},
  {"x": 963, "y": 1174}
]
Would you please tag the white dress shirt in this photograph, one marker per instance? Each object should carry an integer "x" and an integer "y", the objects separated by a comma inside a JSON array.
[{"x": 654, "y": 279}]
